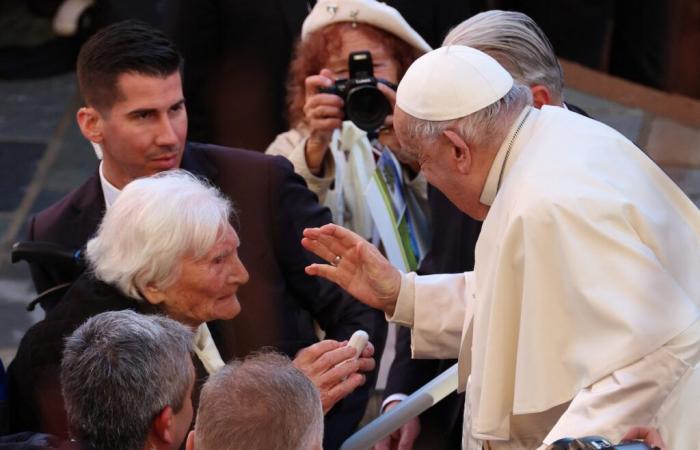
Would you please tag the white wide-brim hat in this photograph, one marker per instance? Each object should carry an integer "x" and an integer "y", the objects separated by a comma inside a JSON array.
[
  {"x": 371, "y": 12},
  {"x": 451, "y": 82}
]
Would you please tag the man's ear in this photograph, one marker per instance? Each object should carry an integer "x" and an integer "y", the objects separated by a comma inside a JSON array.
[
  {"x": 161, "y": 427},
  {"x": 189, "y": 444},
  {"x": 90, "y": 122},
  {"x": 540, "y": 95},
  {"x": 461, "y": 152}
]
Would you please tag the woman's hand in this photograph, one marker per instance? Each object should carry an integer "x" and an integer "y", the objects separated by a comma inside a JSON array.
[
  {"x": 387, "y": 136},
  {"x": 324, "y": 113},
  {"x": 330, "y": 366}
]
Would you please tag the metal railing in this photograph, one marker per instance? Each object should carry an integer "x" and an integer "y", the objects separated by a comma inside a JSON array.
[{"x": 425, "y": 397}]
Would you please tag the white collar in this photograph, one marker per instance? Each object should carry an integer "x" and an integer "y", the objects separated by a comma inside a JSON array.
[
  {"x": 206, "y": 350},
  {"x": 517, "y": 135},
  {"x": 110, "y": 192}
]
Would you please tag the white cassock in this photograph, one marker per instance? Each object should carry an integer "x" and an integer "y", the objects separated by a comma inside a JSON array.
[{"x": 581, "y": 315}]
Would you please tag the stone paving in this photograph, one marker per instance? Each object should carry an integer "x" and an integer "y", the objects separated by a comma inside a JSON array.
[{"x": 43, "y": 156}]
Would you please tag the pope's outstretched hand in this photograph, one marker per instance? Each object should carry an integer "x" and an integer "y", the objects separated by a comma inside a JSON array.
[{"x": 354, "y": 264}]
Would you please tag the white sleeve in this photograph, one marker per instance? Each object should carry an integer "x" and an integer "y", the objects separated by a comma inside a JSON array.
[
  {"x": 435, "y": 307},
  {"x": 633, "y": 395}
]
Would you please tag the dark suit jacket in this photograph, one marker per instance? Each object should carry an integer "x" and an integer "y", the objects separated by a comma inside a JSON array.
[
  {"x": 236, "y": 59},
  {"x": 280, "y": 301},
  {"x": 35, "y": 399}
]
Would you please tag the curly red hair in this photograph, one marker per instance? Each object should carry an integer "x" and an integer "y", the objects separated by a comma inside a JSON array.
[{"x": 312, "y": 54}]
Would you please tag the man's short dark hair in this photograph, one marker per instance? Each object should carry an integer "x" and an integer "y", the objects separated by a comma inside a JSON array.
[{"x": 125, "y": 47}]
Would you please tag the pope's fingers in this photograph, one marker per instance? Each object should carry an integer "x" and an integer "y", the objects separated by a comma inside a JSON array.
[
  {"x": 335, "y": 245},
  {"x": 326, "y": 271},
  {"x": 330, "y": 229},
  {"x": 318, "y": 249}
]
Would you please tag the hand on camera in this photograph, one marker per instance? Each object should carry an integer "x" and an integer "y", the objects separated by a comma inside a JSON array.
[{"x": 324, "y": 113}]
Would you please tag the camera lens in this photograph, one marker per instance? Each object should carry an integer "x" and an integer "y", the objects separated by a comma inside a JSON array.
[{"x": 367, "y": 107}]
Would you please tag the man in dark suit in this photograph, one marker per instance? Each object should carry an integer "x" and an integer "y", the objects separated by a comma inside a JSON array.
[
  {"x": 130, "y": 79},
  {"x": 515, "y": 41}
]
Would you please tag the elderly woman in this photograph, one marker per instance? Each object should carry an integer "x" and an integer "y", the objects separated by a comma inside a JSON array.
[
  {"x": 336, "y": 158},
  {"x": 165, "y": 246}
]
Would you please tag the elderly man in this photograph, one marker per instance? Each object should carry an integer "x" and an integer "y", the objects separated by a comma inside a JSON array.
[
  {"x": 521, "y": 47},
  {"x": 581, "y": 316},
  {"x": 260, "y": 402},
  {"x": 127, "y": 382},
  {"x": 130, "y": 79}
]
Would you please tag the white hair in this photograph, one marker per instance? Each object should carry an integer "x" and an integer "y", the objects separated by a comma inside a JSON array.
[
  {"x": 484, "y": 129},
  {"x": 517, "y": 43},
  {"x": 154, "y": 223}
]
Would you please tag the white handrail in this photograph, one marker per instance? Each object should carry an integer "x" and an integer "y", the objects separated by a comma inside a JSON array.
[{"x": 425, "y": 397}]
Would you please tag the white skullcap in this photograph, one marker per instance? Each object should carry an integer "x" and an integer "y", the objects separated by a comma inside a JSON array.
[
  {"x": 451, "y": 82},
  {"x": 371, "y": 12}
]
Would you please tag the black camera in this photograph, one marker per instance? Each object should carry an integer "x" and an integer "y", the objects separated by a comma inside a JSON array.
[
  {"x": 365, "y": 105},
  {"x": 595, "y": 443}
]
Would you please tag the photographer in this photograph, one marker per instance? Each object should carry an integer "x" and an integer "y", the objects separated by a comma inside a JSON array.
[{"x": 333, "y": 154}]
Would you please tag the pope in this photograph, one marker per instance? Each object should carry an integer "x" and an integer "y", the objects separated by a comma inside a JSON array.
[{"x": 581, "y": 315}]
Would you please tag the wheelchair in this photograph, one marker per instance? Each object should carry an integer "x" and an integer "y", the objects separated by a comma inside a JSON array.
[{"x": 52, "y": 254}]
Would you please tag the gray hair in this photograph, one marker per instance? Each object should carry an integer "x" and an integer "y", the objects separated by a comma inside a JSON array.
[
  {"x": 517, "y": 43},
  {"x": 119, "y": 370},
  {"x": 153, "y": 224},
  {"x": 260, "y": 402},
  {"x": 483, "y": 129}
]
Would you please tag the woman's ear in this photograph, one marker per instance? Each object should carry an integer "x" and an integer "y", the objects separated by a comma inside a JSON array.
[
  {"x": 153, "y": 294},
  {"x": 461, "y": 152},
  {"x": 90, "y": 122}
]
